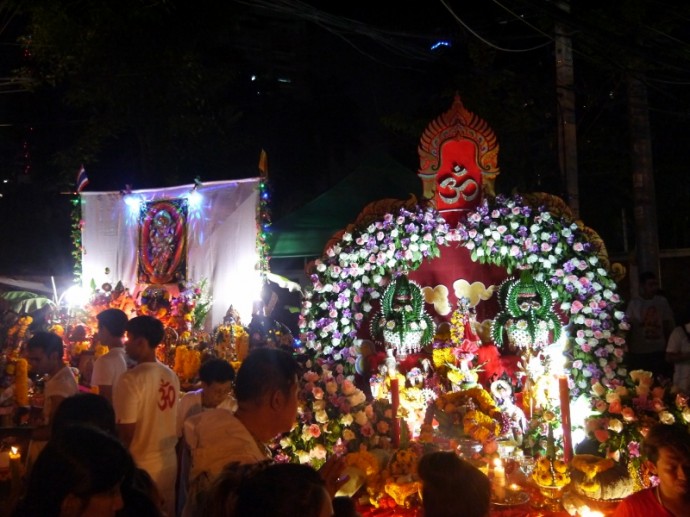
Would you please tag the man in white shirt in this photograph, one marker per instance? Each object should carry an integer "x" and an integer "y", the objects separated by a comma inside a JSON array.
[
  {"x": 216, "y": 376},
  {"x": 266, "y": 389},
  {"x": 107, "y": 368},
  {"x": 651, "y": 323},
  {"x": 145, "y": 403},
  {"x": 678, "y": 353},
  {"x": 45, "y": 352}
]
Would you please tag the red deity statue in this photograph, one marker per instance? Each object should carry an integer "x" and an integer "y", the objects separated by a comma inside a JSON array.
[{"x": 458, "y": 155}]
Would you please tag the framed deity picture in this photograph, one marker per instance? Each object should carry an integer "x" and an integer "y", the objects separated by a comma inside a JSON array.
[{"x": 162, "y": 253}]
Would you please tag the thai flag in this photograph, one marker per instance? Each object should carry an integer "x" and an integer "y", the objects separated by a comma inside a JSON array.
[{"x": 82, "y": 179}]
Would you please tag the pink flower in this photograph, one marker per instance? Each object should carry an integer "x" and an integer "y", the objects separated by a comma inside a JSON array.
[
  {"x": 367, "y": 431},
  {"x": 317, "y": 392},
  {"x": 634, "y": 449},
  {"x": 314, "y": 431},
  {"x": 382, "y": 427},
  {"x": 311, "y": 376},
  {"x": 628, "y": 414},
  {"x": 576, "y": 307},
  {"x": 658, "y": 405}
]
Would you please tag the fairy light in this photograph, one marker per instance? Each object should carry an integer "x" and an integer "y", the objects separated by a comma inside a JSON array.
[{"x": 263, "y": 225}]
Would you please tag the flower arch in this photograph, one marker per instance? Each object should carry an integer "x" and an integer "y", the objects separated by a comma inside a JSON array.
[{"x": 504, "y": 231}]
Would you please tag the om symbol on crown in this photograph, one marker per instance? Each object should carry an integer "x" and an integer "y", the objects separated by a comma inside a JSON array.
[{"x": 458, "y": 155}]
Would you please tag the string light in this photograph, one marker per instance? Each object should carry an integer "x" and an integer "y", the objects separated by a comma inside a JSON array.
[{"x": 263, "y": 225}]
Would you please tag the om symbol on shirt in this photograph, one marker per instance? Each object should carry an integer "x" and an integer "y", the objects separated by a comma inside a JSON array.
[{"x": 167, "y": 398}]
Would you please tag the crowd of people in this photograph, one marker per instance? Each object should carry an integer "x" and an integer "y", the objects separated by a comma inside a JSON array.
[{"x": 140, "y": 447}]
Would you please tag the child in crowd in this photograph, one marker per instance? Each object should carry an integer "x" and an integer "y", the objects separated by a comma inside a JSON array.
[{"x": 216, "y": 376}]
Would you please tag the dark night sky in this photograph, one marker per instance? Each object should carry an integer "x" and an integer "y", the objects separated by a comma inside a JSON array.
[{"x": 362, "y": 77}]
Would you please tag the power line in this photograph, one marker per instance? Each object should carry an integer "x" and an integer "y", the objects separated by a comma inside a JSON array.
[{"x": 485, "y": 41}]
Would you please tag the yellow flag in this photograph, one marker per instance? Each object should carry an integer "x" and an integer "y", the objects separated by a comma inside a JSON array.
[{"x": 263, "y": 163}]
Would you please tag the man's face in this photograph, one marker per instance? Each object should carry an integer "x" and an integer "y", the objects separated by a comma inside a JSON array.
[
  {"x": 39, "y": 361},
  {"x": 103, "y": 335},
  {"x": 133, "y": 346},
  {"x": 674, "y": 473},
  {"x": 288, "y": 412},
  {"x": 649, "y": 288},
  {"x": 215, "y": 393}
]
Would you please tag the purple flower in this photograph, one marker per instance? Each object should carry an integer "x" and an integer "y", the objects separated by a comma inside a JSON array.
[{"x": 634, "y": 449}]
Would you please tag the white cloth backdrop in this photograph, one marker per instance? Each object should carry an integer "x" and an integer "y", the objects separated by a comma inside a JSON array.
[{"x": 221, "y": 241}]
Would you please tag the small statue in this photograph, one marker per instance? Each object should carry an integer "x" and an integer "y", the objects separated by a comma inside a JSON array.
[
  {"x": 503, "y": 394},
  {"x": 403, "y": 323}
]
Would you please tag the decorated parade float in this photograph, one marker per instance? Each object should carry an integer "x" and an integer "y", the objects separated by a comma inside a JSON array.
[{"x": 484, "y": 324}]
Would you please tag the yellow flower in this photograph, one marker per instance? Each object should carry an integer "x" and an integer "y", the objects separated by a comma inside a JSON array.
[
  {"x": 543, "y": 478},
  {"x": 560, "y": 466}
]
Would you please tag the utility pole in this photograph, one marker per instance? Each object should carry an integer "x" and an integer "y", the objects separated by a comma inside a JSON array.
[
  {"x": 567, "y": 127},
  {"x": 644, "y": 196}
]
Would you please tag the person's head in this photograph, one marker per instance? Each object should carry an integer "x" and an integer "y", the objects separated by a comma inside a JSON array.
[
  {"x": 78, "y": 473},
  {"x": 144, "y": 334},
  {"x": 44, "y": 352},
  {"x": 648, "y": 284},
  {"x": 267, "y": 381},
  {"x": 112, "y": 324},
  {"x": 667, "y": 449},
  {"x": 266, "y": 490},
  {"x": 453, "y": 487},
  {"x": 216, "y": 377},
  {"x": 85, "y": 409}
]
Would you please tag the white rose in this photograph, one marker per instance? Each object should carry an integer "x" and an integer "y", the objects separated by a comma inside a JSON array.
[
  {"x": 319, "y": 452},
  {"x": 321, "y": 417},
  {"x": 615, "y": 425},
  {"x": 346, "y": 420},
  {"x": 303, "y": 456},
  {"x": 361, "y": 418},
  {"x": 686, "y": 414},
  {"x": 598, "y": 389},
  {"x": 666, "y": 418},
  {"x": 357, "y": 398}
]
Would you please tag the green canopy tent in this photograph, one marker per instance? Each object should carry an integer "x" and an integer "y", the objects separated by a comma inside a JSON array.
[{"x": 306, "y": 231}]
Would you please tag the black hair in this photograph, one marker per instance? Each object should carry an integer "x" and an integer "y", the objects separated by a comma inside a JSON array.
[
  {"x": 263, "y": 371},
  {"x": 662, "y": 436},
  {"x": 49, "y": 342},
  {"x": 266, "y": 490},
  {"x": 216, "y": 370},
  {"x": 82, "y": 462},
  {"x": 452, "y": 487},
  {"x": 84, "y": 408},
  {"x": 147, "y": 327},
  {"x": 114, "y": 320}
]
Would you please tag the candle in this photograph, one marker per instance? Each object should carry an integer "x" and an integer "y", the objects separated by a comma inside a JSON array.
[
  {"x": 564, "y": 392},
  {"x": 586, "y": 512},
  {"x": 513, "y": 492},
  {"x": 395, "y": 402},
  {"x": 21, "y": 382},
  {"x": 499, "y": 480},
  {"x": 15, "y": 469}
]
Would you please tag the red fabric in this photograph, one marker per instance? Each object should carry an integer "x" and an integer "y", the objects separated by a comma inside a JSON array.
[{"x": 641, "y": 504}]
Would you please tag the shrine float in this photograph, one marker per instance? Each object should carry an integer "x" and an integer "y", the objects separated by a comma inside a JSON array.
[{"x": 486, "y": 324}]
